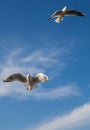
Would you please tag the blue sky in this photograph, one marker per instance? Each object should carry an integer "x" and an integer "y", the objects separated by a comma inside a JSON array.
[{"x": 30, "y": 43}]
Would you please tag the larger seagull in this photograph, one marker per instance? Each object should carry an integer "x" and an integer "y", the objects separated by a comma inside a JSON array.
[
  {"x": 59, "y": 15},
  {"x": 28, "y": 79}
]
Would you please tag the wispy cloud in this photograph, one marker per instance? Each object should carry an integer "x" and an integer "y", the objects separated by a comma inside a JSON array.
[
  {"x": 38, "y": 58},
  {"x": 58, "y": 93},
  {"x": 47, "y": 58},
  {"x": 77, "y": 119}
]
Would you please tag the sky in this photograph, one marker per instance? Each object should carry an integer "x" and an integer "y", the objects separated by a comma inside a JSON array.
[{"x": 30, "y": 43}]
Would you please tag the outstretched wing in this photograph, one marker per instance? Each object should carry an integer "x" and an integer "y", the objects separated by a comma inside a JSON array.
[
  {"x": 74, "y": 12},
  {"x": 55, "y": 14},
  {"x": 14, "y": 77},
  {"x": 40, "y": 77}
]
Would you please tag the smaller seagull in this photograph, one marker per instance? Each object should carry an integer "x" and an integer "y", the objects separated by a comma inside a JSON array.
[
  {"x": 65, "y": 12},
  {"x": 28, "y": 79}
]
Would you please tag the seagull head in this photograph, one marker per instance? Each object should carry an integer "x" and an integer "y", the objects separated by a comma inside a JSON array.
[
  {"x": 28, "y": 77},
  {"x": 42, "y": 77}
]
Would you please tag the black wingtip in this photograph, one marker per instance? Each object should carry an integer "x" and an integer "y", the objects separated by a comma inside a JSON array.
[
  {"x": 5, "y": 80},
  {"x": 82, "y": 14},
  {"x": 49, "y": 18}
]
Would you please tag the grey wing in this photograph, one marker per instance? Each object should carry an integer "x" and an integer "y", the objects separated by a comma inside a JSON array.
[
  {"x": 74, "y": 12},
  {"x": 14, "y": 77},
  {"x": 35, "y": 80}
]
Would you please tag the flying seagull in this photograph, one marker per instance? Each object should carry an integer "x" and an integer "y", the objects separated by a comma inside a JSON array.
[
  {"x": 28, "y": 79},
  {"x": 65, "y": 12}
]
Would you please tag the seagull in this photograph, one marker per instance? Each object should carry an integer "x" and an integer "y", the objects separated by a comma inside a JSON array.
[
  {"x": 65, "y": 12},
  {"x": 28, "y": 79}
]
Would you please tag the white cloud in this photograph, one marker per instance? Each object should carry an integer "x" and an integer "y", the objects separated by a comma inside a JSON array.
[
  {"x": 46, "y": 58},
  {"x": 57, "y": 93},
  {"x": 77, "y": 119}
]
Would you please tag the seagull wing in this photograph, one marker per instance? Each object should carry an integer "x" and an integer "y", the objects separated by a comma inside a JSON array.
[
  {"x": 35, "y": 80},
  {"x": 74, "y": 12},
  {"x": 14, "y": 77},
  {"x": 55, "y": 14},
  {"x": 40, "y": 77}
]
